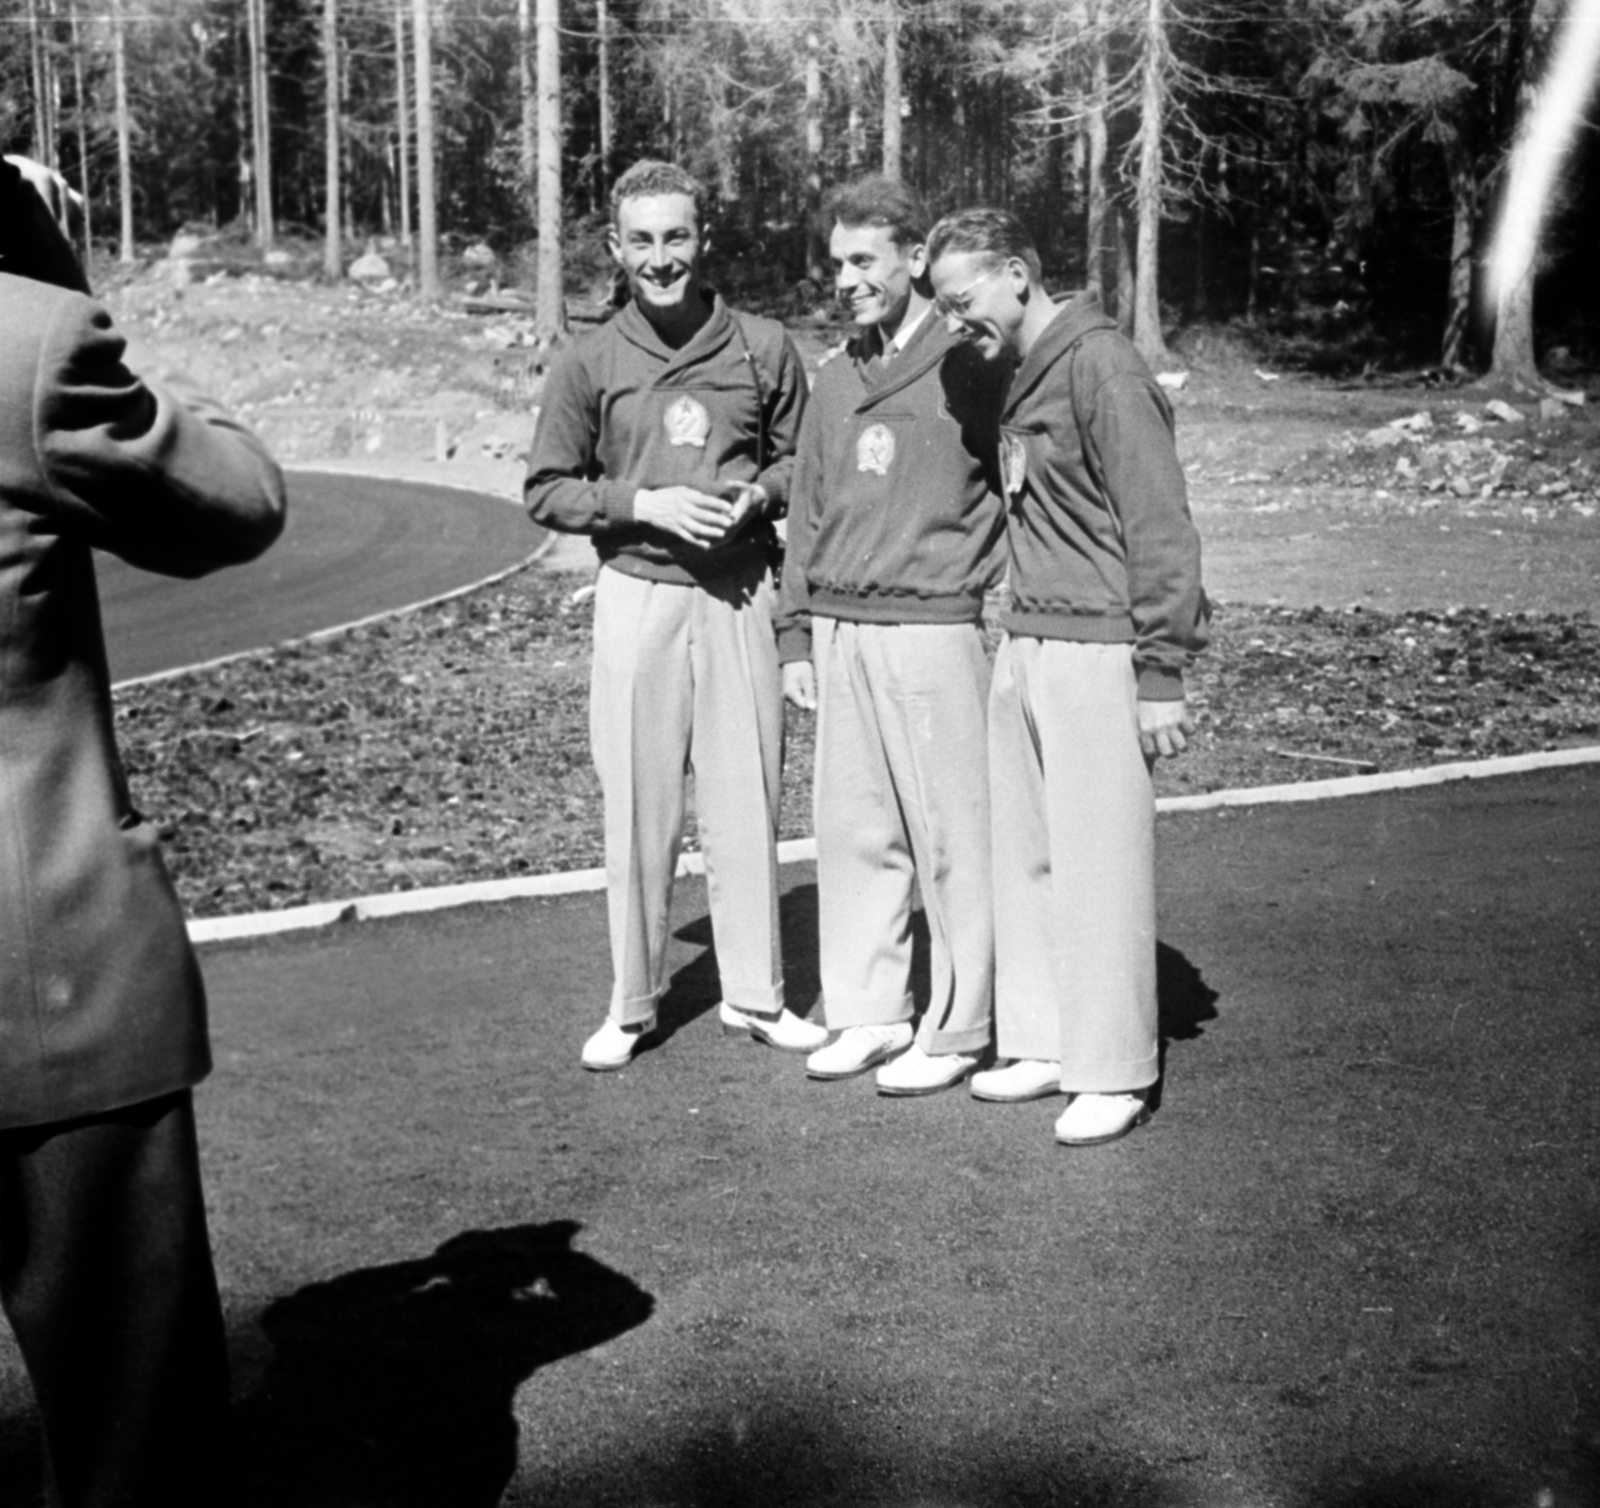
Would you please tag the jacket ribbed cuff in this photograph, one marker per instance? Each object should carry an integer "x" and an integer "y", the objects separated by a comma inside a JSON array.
[{"x": 1160, "y": 683}]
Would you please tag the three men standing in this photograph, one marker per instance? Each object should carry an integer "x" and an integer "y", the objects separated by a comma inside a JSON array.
[
  {"x": 667, "y": 435},
  {"x": 1022, "y": 812},
  {"x": 895, "y": 525}
]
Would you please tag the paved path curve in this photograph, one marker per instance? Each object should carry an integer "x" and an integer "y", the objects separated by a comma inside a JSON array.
[{"x": 354, "y": 545}]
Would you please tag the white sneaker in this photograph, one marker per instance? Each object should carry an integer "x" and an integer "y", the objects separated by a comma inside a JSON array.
[
  {"x": 858, "y": 1048},
  {"x": 1094, "y": 1118},
  {"x": 613, "y": 1046},
  {"x": 1026, "y": 1079},
  {"x": 917, "y": 1072},
  {"x": 786, "y": 1030}
]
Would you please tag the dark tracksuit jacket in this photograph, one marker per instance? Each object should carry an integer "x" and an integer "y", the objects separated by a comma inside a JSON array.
[
  {"x": 894, "y": 507},
  {"x": 623, "y": 411},
  {"x": 1102, "y": 547}
]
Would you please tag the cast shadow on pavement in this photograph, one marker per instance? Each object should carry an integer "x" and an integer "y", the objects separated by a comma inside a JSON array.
[
  {"x": 694, "y": 989},
  {"x": 395, "y": 1384},
  {"x": 1184, "y": 1004},
  {"x": 1184, "y": 1001}
]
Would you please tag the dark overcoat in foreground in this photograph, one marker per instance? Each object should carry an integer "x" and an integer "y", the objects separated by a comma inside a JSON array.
[{"x": 101, "y": 1003}]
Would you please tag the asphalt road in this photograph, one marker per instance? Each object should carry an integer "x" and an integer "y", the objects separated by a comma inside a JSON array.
[
  {"x": 353, "y": 546},
  {"x": 1351, "y": 1263}
]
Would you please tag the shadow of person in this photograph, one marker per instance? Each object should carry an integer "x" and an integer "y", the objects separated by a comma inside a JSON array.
[
  {"x": 394, "y": 1385},
  {"x": 696, "y": 988},
  {"x": 1184, "y": 1003}
]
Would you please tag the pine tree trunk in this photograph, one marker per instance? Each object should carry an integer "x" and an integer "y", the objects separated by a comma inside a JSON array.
[
  {"x": 813, "y": 125},
  {"x": 893, "y": 93},
  {"x": 81, "y": 120},
  {"x": 1463, "y": 228},
  {"x": 1098, "y": 203},
  {"x": 43, "y": 144},
  {"x": 1152, "y": 101},
  {"x": 119, "y": 45},
  {"x": 1125, "y": 281},
  {"x": 332, "y": 252},
  {"x": 427, "y": 201},
  {"x": 550, "y": 317},
  {"x": 528, "y": 97},
  {"x": 402, "y": 118},
  {"x": 1514, "y": 361},
  {"x": 261, "y": 123},
  {"x": 608, "y": 128},
  {"x": 855, "y": 130}
]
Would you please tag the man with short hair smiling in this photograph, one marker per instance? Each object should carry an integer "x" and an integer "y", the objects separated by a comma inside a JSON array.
[
  {"x": 894, "y": 534},
  {"x": 667, "y": 436},
  {"x": 1105, "y": 610}
]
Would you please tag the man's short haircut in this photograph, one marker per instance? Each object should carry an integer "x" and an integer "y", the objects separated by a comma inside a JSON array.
[
  {"x": 995, "y": 234},
  {"x": 877, "y": 200},
  {"x": 651, "y": 177}
]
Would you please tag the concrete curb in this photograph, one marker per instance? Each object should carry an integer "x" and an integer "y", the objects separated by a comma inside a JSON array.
[{"x": 804, "y": 850}]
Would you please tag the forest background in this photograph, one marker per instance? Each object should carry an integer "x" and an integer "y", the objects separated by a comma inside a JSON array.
[{"x": 1321, "y": 173}]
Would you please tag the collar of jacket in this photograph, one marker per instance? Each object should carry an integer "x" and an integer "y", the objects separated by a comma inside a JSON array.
[
  {"x": 1072, "y": 321},
  {"x": 929, "y": 345},
  {"x": 709, "y": 340}
]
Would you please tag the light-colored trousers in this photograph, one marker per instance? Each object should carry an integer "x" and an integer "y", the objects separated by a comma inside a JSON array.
[
  {"x": 1074, "y": 864},
  {"x": 902, "y": 798},
  {"x": 685, "y": 679}
]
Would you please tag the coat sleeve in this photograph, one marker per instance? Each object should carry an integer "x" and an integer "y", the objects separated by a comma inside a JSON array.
[
  {"x": 785, "y": 409},
  {"x": 169, "y": 483},
  {"x": 793, "y": 617},
  {"x": 1129, "y": 437},
  {"x": 565, "y": 489}
]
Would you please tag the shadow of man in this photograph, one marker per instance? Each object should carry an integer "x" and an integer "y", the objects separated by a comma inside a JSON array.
[
  {"x": 1184, "y": 1004},
  {"x": 394, "y": 1385},
  {"x": 695, "y": 988}
]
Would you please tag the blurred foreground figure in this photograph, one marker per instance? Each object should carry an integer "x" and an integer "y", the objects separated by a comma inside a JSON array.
[
  {"x": 1105, "y": 610},
  {"x": 668, "y": 436},
  {"x": 105, "y": 1266}
]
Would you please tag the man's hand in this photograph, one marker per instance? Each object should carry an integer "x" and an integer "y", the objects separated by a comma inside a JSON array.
[
  {"x": 749, "y": 500},
  {"x": 1164, "y": 728},
  {"x": 800, "y": 685},
  {"x": 692, "y": 515}
]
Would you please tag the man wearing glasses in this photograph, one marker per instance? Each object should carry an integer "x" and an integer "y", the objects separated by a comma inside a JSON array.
[
  {"x": 1105, "y": 610},
  {"x": 894, "y": 531}
]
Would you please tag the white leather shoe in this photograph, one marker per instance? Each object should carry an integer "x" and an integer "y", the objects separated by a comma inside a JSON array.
[
  {"x": 1026, "y": 1079},
  {"x": 858, "y": 1048},
  {"x": 1094, "y": 1118},
  {"x": 918, "y": 1072},
  {"x": 613, "y": 1046},
  {"x": 787, "y": 1031}
]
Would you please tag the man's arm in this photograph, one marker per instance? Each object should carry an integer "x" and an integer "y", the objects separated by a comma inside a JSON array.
[
  {"x": 792, "y": 621},
  {"x": 167, "y": 483},
  {"x": 786, "y": 406},
  {"x": 564, "y": 490},
  {"x": 1130, "y": 438}
]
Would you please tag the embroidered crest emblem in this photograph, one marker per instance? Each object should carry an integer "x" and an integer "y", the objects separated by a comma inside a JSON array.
[
  {"x": 687, "y": 422},
  {"x": 1013, "y": 464},
  {"x": 875, "y": 449}
]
